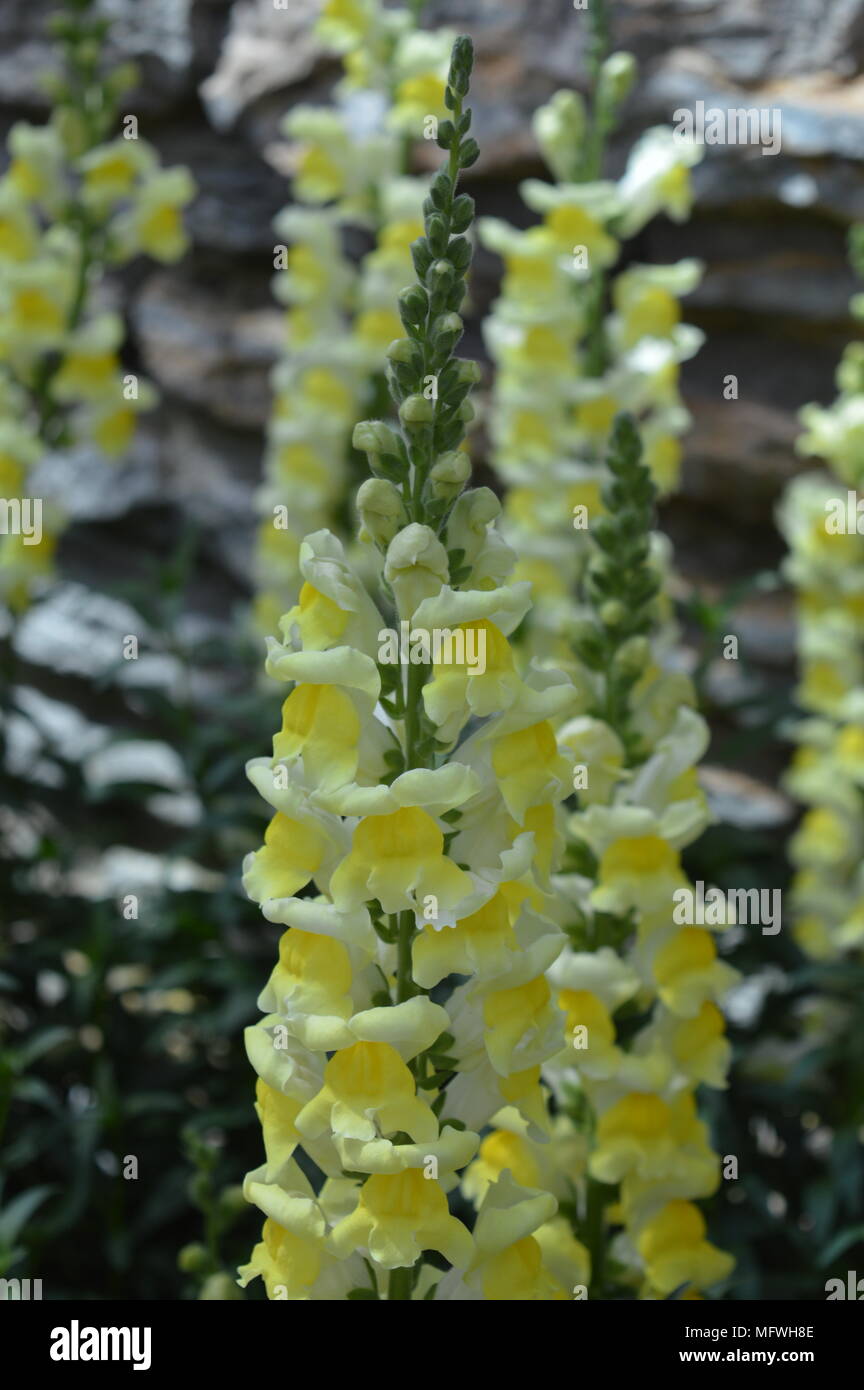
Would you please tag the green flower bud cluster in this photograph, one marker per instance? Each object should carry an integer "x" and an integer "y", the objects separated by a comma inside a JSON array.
[
  {"x": 430, "y": 386},
  {"x": 85, "y": 99},
  {"x": 220, "y": 1209},
  {"x": 612, "y": 76},
  {"x": 620, "y": 583}
]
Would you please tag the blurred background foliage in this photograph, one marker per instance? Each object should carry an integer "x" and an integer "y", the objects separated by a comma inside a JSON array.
[{"x": 123, "y": 1010}]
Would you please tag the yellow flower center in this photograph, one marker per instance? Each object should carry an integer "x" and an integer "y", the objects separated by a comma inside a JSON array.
[
  {"x": 640, "y": 1116},
  {"x": 316, "y": 713},
  {"x": 406, "y": 1196},
  {"x": 595, "y": 416},
  {"x": 306, "y": 956},
  {"x": 515, "y": 1005},
  {"x": 641, "y": 855},
  {"x": 367, "y": 1072},
  {"x": 584, "y": 1009},
  {"x": 36, "y": 310},
  {"x": 690, "y": 949},
  {"x": 160, "y": 228},
  {"x": 501, "y": 1149}
]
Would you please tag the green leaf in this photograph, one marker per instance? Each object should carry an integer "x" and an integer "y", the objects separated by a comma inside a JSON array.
[
  {"x": 19, "y": 1211},
  {"x": 42, "y": 1043},
  {"x": 841, "y": 1242}
]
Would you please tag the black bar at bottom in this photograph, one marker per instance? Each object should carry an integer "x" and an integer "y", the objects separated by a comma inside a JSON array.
[{"x": 266, "y": 1341}]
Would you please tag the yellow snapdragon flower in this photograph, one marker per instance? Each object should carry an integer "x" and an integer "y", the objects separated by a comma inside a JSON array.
[{"x": 675, "y": 1251}]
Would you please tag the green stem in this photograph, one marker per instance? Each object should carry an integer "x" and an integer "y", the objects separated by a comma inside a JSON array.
[
  {"x": 404, "y": 981},
  {"x": 590, "y": 167},
  {"x": 595, "y": 1232},
  {"x": 45, "y": 404},
  {"x": 211, "y": 1231},
  {"x": 429, "y": 309},
  {"x": 399, "y": 1285},
  {"x": 414, "y": 683},
  {"x": 8, "y": 666},
  {"x": 596, "y": 355},
  {"x": 401, "y": 1280},
  {"x": 90, "y": 105}
]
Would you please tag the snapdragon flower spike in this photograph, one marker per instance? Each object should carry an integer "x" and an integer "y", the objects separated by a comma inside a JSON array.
[
  {"x": 74, "y": 199},
  {"x": 640, "y": 983},
  {"x": 340, "y": 317},
  {"x": 416, "y": 794},
  {"x": 576, "y": 339},
  {"x": 819, "y": 516}
]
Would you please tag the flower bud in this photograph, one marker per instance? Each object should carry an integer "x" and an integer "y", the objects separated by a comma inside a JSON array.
[
  {"x": 461, "y": 63},
  {"x": 87, "y": 52},
  {"x": 416, "y": 411},
  {"x": 123, "y": 78},
  {"x": 617, "y": 76},
  {"x": 469, "y": 371},
  {"x": 850, "y": 373},
  {"x": 198, "y": 1189},
  {"x": 193, "y": 1259},
  {"x": 450, "y": 474},
  {"x": 71, "y": 129},
  {"x": 463, "y": 213},
  {"x": 416, "y": 566},
  {"x": 413, "y": 305},
  {"x": 379, "y": 504},
  {"x": 441, "y": 274},
  {"x": 437, "y": 234},
  {"x": 448, "y": 323},
  {"x": 594, "y": 744},
  {"x": 375, "y": 437},
  {"x": 446, "y": 133},
  {"x": 613, "y": 612},
  {"x": 559, "y": 130},
  {"x": 232, "y": 1202},
  {"x": 469, "y": 520},
  {"x": 401, "y": 350},
  {"x": 219, "y": 1288},
  {"x": 469, "y": 153},
  {"x": 633, "y": 656},
  {"x": 582, "y": 631}
]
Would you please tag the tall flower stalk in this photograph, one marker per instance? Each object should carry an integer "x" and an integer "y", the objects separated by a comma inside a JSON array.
[
  {"x": 575, "y": 339},
  {"x": 75, "y": 200},
  {"x": 577, "y": 342},
  {"x": 820, "y": 519},
  {"x": 641, "y": 980},
  {"x": 351, "y": 171},
  {"x": 415, "y": 790}
]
